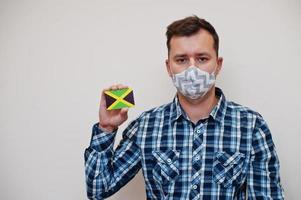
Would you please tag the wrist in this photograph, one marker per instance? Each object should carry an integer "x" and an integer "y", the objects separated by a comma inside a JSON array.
[{"x": 107, "y": 128}]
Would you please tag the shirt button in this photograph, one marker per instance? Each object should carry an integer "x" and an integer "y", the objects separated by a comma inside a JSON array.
[
  {"x": 197, "y": 158},
  {"x": 194, "y": 187},
  {"x": 169, "y": 160},
  {"x": 198, "y": 131}
]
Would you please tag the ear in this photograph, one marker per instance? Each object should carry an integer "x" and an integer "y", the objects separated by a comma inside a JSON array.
[
  {"x": 219, "y": 65},
  {"x": 168, "y": 67}
]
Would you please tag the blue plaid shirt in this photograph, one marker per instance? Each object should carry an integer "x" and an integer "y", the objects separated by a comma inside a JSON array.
[{"x": 229, "y": 155}]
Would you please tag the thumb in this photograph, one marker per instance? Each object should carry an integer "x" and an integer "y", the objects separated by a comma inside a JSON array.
[{"x": 124, "y": 111}]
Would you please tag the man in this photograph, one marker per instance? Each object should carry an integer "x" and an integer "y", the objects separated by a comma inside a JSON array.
[{"x": 199, "y": 146}]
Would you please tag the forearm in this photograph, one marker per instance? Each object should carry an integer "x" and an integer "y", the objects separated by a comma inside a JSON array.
[
  {"x": 108, "y": 170},
  {"x": 264, "y": 173}
]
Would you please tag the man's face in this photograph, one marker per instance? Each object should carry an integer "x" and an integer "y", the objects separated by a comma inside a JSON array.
[{"x": 194, "y": 50}]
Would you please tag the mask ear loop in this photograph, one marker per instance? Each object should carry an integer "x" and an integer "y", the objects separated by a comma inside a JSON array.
[{"x": 213, "y": 73}]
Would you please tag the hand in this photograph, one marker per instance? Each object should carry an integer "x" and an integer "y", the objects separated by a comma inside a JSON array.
[{"x": 109, "y": 120}]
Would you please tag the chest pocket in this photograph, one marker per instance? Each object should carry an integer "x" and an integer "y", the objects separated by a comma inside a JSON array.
[
  {"x": 166, "y": 169},
  {"x": 227, "y": 167}
]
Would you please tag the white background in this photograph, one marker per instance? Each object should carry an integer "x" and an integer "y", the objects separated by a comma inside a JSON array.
[{"x": 56, "y": 56}]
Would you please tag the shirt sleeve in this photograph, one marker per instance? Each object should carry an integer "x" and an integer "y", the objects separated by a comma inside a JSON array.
[
  {"x": 106, "y": 169},
  {"x": 263, "y": 181}
]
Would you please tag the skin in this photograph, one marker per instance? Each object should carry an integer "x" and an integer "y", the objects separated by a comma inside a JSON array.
[{"x": 197, "y": 50}]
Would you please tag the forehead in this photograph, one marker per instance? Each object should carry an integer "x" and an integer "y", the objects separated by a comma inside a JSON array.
[{"x": 197, "y": 43}]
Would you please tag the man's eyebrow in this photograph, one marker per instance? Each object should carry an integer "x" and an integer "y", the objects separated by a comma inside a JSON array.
[
  {"x": 198, "y": 54},
  {"x": 180, "y": 55},
  {"x": 203, "y": 54}
]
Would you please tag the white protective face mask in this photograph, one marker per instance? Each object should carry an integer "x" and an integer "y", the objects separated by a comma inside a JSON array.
[{"x": 193, "y": 82}]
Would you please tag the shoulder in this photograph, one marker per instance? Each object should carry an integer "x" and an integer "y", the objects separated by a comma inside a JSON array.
[{"x": 245, "y": 112}]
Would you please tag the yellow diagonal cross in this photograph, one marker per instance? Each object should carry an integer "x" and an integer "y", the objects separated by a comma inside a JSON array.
[{"x": 119, "y": 99}]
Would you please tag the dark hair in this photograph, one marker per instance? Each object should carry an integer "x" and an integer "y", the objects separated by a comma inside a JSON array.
[{"x": 190, "y": 26}]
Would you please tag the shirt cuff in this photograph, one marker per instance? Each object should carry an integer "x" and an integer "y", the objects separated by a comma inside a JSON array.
[{"x": 102, "y": 140}]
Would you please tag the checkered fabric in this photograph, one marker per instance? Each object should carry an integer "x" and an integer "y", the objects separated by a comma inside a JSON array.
[{"x": 228, "y": 155}]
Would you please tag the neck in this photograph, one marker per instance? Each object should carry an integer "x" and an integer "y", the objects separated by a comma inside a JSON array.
[{"x": 197, "y": 109}]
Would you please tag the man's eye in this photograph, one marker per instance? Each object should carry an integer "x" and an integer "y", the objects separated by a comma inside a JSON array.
[
  {"x": 181, "y": 60},
  {"x": 202, "y": 59}
]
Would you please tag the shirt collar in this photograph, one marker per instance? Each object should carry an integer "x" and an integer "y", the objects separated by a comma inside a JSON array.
[{"x": 217, "y": 113}]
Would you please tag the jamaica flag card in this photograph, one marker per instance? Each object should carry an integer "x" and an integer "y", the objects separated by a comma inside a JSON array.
[{"x": 121, "y": 98}]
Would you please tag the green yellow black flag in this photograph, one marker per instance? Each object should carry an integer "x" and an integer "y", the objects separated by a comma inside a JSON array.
[{"x": 117, "y": 99}]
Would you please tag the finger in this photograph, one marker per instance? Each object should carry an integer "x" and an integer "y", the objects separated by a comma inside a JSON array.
[
  {"x": 114, "y": 87},
  {"x": 124, "y": 111},
  {"x": 102, "y": 97},
  {"x": 103, "y": 91},
  {"x": 120, "y": 86},
  {"x": 102, "y": 100},
  {"x": 123, "y": 86},
  {"x": 106, "y": 89}
]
